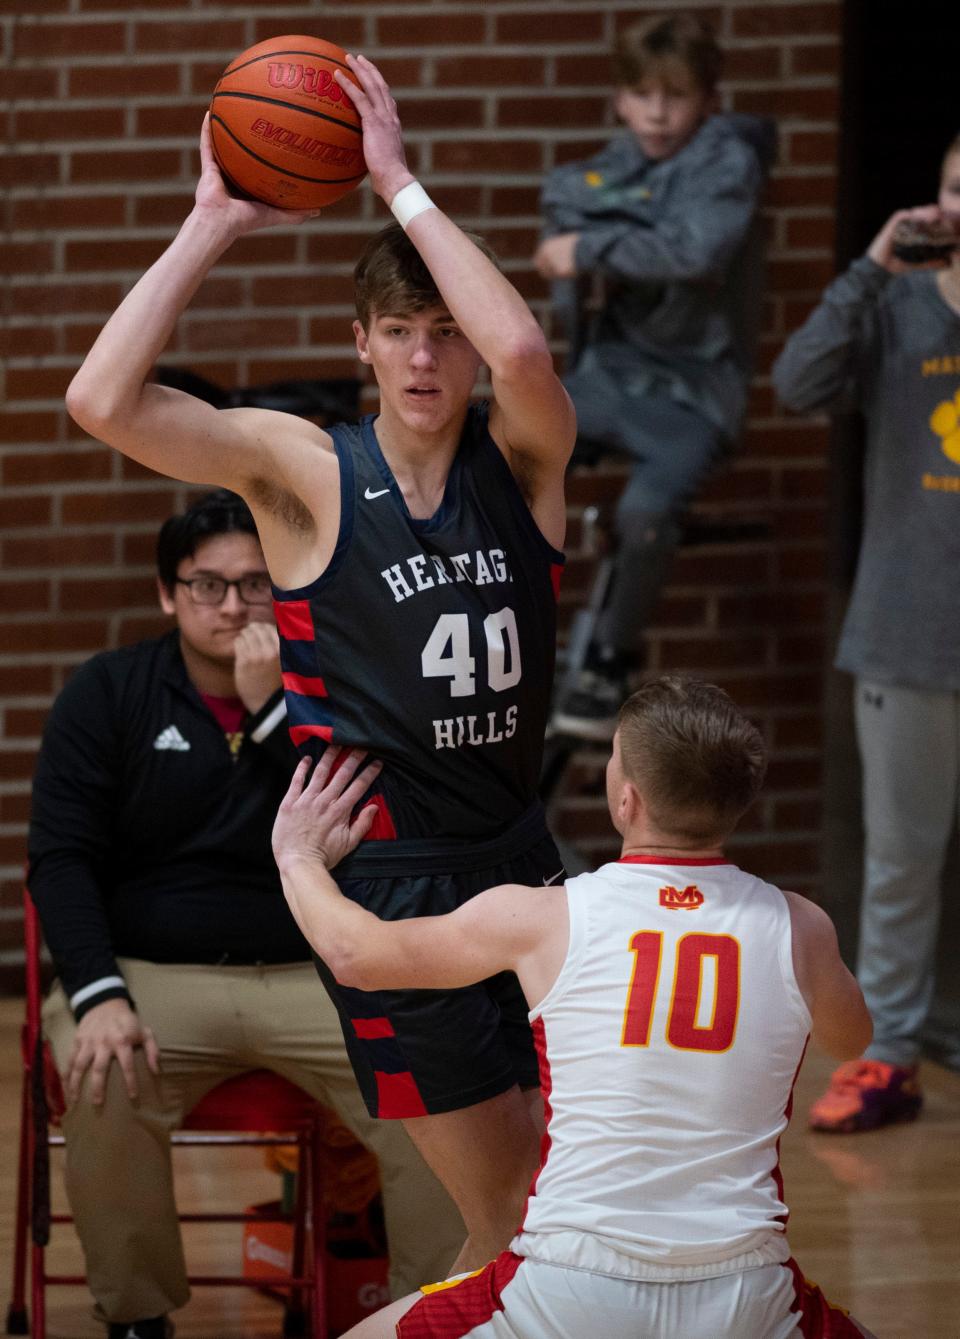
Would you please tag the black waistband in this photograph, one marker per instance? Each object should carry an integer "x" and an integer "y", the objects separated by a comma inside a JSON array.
[{"x": 427, "y": 855}]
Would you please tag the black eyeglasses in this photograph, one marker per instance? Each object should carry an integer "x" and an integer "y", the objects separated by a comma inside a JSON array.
[{"x": 213, "y": 590}]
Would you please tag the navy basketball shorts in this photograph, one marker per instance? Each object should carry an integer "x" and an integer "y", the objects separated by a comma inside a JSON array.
[{"x": 420, "y": 1052}]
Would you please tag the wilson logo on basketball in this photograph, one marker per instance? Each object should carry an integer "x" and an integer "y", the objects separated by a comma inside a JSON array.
[
  {"x": 681, "y": 899},
  {"x": 308, "y": 146},
  {"x": 320, "y": 83}
]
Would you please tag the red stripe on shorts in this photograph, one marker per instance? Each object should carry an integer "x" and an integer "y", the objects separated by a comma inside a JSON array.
[
  {"x": 398, "y": 1096},
  {"x": 455, "y": 1310},
  {"x": 369, "y": 1029}
]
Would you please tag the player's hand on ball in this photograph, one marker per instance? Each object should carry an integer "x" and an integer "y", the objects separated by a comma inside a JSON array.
[
  {"x": 382, "y": 133},
  {"x": 244, "y": 215},
  {"x": 315, "y": 821}
]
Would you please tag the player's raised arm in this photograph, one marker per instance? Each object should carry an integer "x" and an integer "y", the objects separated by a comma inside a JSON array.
[
  {"x": 508, "y": 928},
  {"x": 163, "y": 428},
  {"x": 533, "y": 417}
]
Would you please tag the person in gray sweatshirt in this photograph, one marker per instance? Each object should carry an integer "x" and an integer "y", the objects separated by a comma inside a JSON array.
[
  {"x": 885, "y": 338},
  {"x": 663, "y": 224}
]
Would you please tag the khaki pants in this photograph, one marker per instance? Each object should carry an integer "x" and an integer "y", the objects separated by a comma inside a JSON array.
[{"x": 211, "y": 1023}]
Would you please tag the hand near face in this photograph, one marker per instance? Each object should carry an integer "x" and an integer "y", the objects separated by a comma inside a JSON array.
[
  {"x": 256, "y": 668},
  {"x": 881, "y": 248}
]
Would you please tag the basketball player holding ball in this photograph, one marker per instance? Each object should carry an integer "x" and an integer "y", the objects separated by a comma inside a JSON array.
[{"x": 414, "y": 557}]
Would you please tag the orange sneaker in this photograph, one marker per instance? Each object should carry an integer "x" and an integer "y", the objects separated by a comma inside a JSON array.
[{"x": 864, "y": 1094}]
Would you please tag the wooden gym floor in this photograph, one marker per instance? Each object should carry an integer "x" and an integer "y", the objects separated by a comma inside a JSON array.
[{"x": 875, "y": 1218}]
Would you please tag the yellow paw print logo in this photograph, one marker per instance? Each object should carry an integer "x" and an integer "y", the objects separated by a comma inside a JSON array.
[{"x": 945, "y": 421}]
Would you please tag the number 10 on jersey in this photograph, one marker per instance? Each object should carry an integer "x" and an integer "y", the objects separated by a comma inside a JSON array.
[{"x": 704, "y": 997}]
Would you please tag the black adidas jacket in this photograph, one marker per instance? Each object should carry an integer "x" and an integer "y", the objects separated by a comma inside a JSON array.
[{"x": 147, "y": 838}]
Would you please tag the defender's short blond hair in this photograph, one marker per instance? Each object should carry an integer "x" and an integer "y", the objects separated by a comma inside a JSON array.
[{"x": 694, "y": 756}]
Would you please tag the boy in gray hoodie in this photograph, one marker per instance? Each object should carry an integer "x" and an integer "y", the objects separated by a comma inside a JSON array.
[{"x": 665, "y": 220}]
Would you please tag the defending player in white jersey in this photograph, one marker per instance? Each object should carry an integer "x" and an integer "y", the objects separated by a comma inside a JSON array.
[{"x": 671, "y": 995}]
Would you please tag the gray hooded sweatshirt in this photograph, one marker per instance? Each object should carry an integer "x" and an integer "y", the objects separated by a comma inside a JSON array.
[
  {"x": 676, "y": 244},
  {"x": 890, "y": 346}
]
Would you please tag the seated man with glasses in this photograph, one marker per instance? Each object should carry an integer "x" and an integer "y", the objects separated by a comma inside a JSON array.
[{"x": 178, "y": 963}]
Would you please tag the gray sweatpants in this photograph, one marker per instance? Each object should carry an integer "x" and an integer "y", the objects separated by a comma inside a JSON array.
[{"x": 909, "y": 742}]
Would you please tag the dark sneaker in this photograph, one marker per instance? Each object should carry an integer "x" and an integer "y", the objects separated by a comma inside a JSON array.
[
  {"x": 865, "y": 1094},
  {"x": 159, "y": 1327},
  {"x": 588, "y": 708}
]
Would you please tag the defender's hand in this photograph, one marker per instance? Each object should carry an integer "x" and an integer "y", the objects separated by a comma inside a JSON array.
[
  {"x": 382, "y": 132},
  {"x": 107, "y": 1032},
  {"x": 314, "y": 821},
  {"x": 243, "y": 215},
  {"x": 554, "y": 257},
  {"x": 256, "y": 665}
]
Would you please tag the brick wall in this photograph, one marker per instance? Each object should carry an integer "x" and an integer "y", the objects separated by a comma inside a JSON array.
[{"x": 102, "y": 102}]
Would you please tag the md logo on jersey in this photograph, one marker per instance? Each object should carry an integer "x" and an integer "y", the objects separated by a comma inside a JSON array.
[{"x": 681, "y": 899}]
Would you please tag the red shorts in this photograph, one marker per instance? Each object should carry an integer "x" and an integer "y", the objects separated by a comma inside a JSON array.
[{"x": 517, "y": 1298}]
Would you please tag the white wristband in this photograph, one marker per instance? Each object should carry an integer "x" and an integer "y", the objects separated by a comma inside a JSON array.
[{"x": 409, "y": 202}]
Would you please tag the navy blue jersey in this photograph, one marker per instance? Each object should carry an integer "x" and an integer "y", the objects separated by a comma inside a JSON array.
[{"x": 429, "y": 643}]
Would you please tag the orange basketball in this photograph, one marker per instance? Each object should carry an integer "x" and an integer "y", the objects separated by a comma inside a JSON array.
[{"x": 283, "y": 129}]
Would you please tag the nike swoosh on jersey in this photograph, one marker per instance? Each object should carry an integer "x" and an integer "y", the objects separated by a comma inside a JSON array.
[
  {"x": 553, "y": 878},
  {"x": 380, "y": 493}
]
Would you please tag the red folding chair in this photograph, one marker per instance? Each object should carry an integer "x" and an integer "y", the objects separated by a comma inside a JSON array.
[{"x": 258, "y": 1108}]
